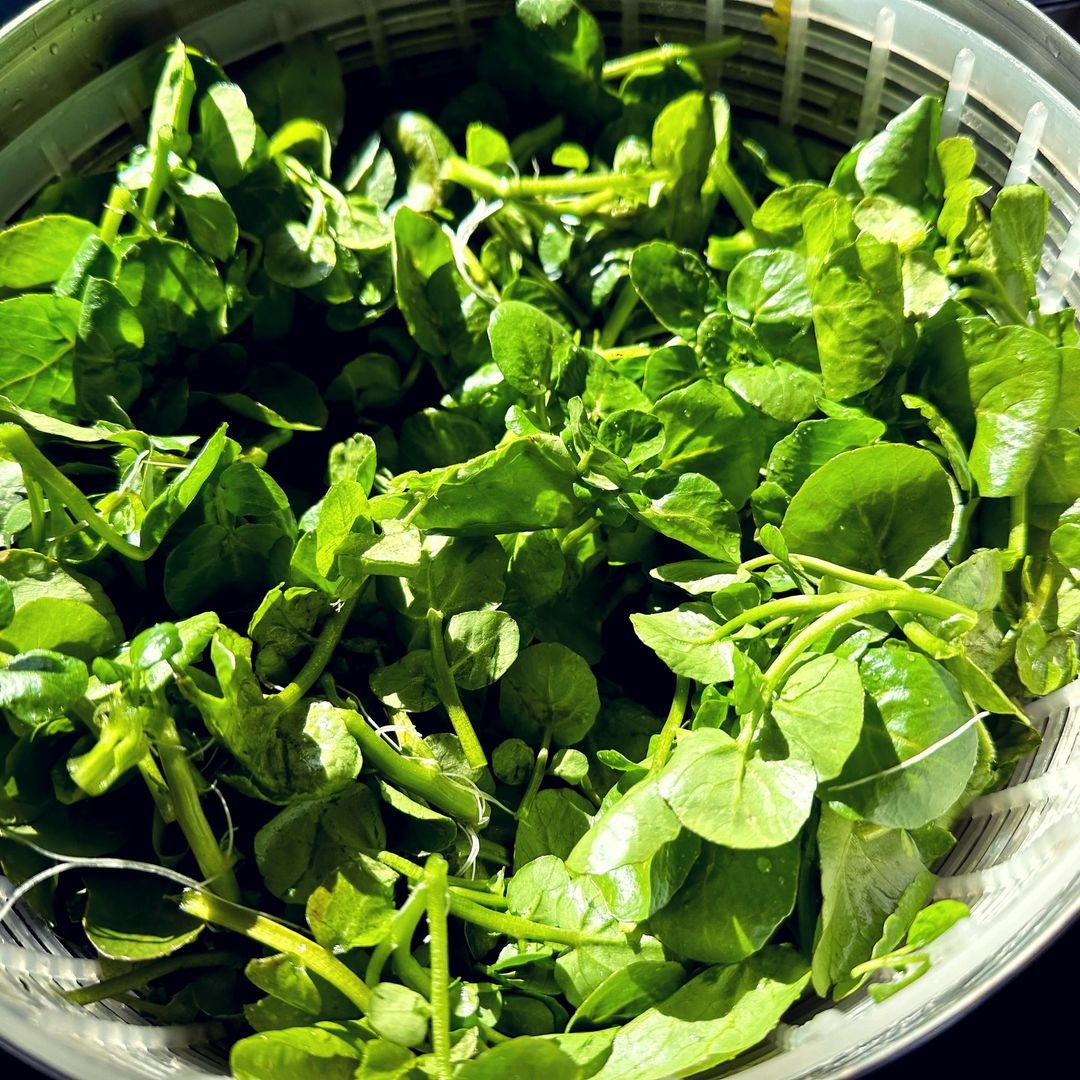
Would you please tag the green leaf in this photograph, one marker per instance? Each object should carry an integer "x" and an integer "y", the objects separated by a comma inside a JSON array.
[
  {"x": 398, "y": 1014},
  {"x": 480, "y": 647},
  {"x": 710, "y": 1020},
  {"x": 228, "y": 132},
  {"x": 557, "y": 819},
  {"x": 770, "y": 288},
  {"x": 353, "y": 906},
  {"x": 711, "y": 432},
  {"x": 796, "y": 456},
  {"x": 290, "y": 982},
  {"x": 156, "y": 645},
  {"x": 39, "y": 251},
  {"x": 37, "y": 686},
  {"x": 455, "y": 574},
  {"x": 695, "y": 513},
  {"x": 208, "y": 218},
  {"x": 307, "y": 1053},
  {"x": 731, "y": 903},
  {"x": 344, "y": 511},
  {"x": 820, "y": 711},
  {"x": 522, "y": 1057},
  {"x": 858, "y": 308},
  {"x": 130, "y": 916},
  {"x": 7, "y": 604},
  {"x": 686, "y": 640},
  {"x": 865, "y": 870},
  {"x": 730, "y": 798},
  {"x": 898, "y": 161},
  {"x": 885, "y": 507},
  {"x": 37, "y": 338},
  {"x": 626, "y": 993},
  {"x": 1018, "y": 223},
  {"x": 918, "y": 743},
  {"x": 675, "y": 285},
  {"x": 304, "y": 843},
  {"x": 549, "y": 688},
  {"x": 529, "y": 347},
  {"x": 298, "y": 257}
]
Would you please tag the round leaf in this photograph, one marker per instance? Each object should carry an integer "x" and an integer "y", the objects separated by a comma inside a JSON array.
[
  {"x": 551, "y": 688},
  {"x": 480, "y": 647}
]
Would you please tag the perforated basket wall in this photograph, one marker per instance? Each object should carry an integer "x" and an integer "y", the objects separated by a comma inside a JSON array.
[{"x": 72, "y": 94}]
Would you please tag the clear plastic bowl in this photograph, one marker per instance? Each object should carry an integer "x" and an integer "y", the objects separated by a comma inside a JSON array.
[{"x": 73, "y": 90}]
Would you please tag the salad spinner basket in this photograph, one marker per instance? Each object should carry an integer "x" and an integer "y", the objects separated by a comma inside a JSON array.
[{"x": 73, "y": 92}]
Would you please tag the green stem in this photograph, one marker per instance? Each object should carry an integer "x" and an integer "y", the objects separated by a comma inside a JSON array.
[
  {"x": 411, "y": 972},
  {"x": 261, "y": 928},
  {"x": 709, "y": 51},
  {"x": 491, "y": 186},
  {"x": 447, "y": 690},
  {"x": 184, "y": 785},
  {"x": 116, "y": 208},
  {"x": 20, "y": 447},
  {"x": 994, "y": 296},
  {"x": 674, "y": 720},
  {"x": 38, "y": 529},
  {"x": 402, "y": 927},
  {"x": 537, "y": 778},
  {"x": 821, "y": 567},
  {"x": 990, "y": 301},
  {"x": 143, "y": 974},
  {"x": 578, "y": 533},
  {"x": 512, "y": 926},
  {"x": 785, "y": 607},
  {"x": 734, "y": 191},
  {"x": 438, "y": 902},
  {"x": 327, "y": 642},
  {"x": 620, "y": 314},
  {"x": 626, "y": 352},
  {"x": 1018, "y": 529},
  {"x": 470, "y": 890},
  {"x": 413, "y": 774},
  {"x": 868, "y": 604}
]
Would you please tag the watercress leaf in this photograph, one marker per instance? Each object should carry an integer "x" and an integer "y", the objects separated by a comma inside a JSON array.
[
  {"x": 435, "y": 438},
  {"x": 1055, "y": 482},
  {"x": 632, "y": 434},
  {"x": 912, "y": 762},
  {"x": 865, "y": 871},
  {"x": 290, "y": 982},
  {"x": 675, "y": 284},
  {"x": 885, "y": 507},
  {"x": 131, "y": 916},
  {"x": 56, "y": 609},
  {"x": 728, "y": 797},
  {"x": 858, "y": 310},
  {"x": 820, "y": 711},
  {"x": 305, "y": 1053},
  {"x": 957, "y": 158},
  {"x": 946, "y": 434},
  {"x": 37, "y": 339},
  {"x": 480, "y": 647},
  {"x": 37, "y": 686},
  {"x": 228, "y": 132},
  {"x": 899, "y": 161},
  {"x": 1045, "y": 660},
  {"x": 712, "y": 432},
  {"x": 155, "y": 645},
  {"x": 529, "y": 346},
  {"x": 455, "y": 574},
  {"x": 7, "y": 604},
  {"x": 926, "y": 288},
  {"x": 770, "y": 287},
  {"x": 633, "y": 989},
  {"x": 421, "y": 148},
  {"x": 208, "y": 218},
  {"x": 549, "y": 689},
  {"x": 670, "y": 368},
  {"x": 782, "y": 391},
  {"x": 781, "y": 213},
  {"x": 520, "y": 1057},
  {"x": 353, "y": 906},
  {"x": 524, "y": 484},
  {"x": 298, "y": 256},
  {"x": 558, "y": 818},
  {"x": 890, "y": 221},
  {"x": 408, "y": 683},
  {"x": 813, "y": 442},
  {"x": 711, "y": 1019},
  {"x": 1018, "y": 223},
  {"x": 303, "y": 81},
  {"x": 686, "y": 640},
  {"x": 344, "y": 512},
  {"x": 695, "y": 513},
  {"x": 39, "y": 251},
  {"x": 300, "y": 846},
  {"x": 731, "y": 903}
]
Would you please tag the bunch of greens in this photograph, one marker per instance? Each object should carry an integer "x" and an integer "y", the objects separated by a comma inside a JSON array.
[{"x": 616, "y": 543}]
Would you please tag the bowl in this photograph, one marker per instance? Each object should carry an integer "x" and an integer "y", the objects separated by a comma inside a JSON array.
[{"x": 75, "y": 81}]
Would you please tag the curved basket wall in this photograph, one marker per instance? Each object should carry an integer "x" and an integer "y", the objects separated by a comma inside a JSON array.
[{"x": 73, "y": 87}]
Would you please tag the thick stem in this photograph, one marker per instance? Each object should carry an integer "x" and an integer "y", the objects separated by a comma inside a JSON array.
[
  {"x": 411, "y": 774},
  {"x": 143, "y": 974},
  {"x": 438, "y": 901},
  {"x": 402, "y": 927},
  {"x": 261, "y": 928},
  {"x": 707, "y": 52},
  {"x": 116, "y": 207},
  {"x": 486, "y": 183},
  {"x": 184, "y": 787},
  {"x": 308, "y": 675},
  {"x": 33, "y": 462},
  {"x": 537, "y": 778},
  {"x": 734, "y": 191},
  {"x": 620, "y": 313},
  {"x": 822, "y": 568},
  {"x": 868, "y": 604},
  {"x": 37, "y": 514},
  {"x": 1018, "y": 529},
  {"x": 674, "y": 720},
  {"x": 470, "y": 890},
  {"x": 513, "y": 926},
  {"x": 791, "y": 607},
  {"x": 449, "y": 696}
]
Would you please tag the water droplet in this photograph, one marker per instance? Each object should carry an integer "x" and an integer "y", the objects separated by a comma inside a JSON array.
[
  {"x": 98, "y": 16},
  {"x": 17, "y": 105},
  {"x": 54, "y": 49},
  {"x": 72, "y": 11},
  {"x": 764, "y": 865}
]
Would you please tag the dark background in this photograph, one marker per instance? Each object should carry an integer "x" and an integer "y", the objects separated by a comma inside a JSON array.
[{"x": 1027, "y": 1025}]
